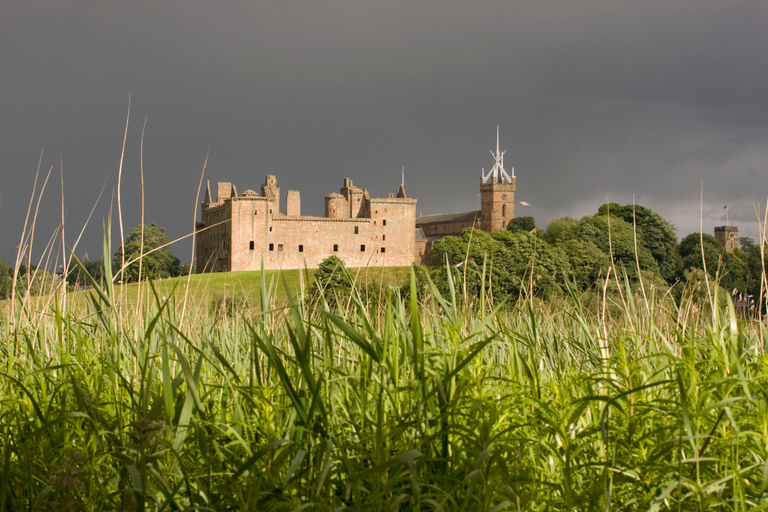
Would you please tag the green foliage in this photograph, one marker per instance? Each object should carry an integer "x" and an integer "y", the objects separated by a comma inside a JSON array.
[
  {"x": 36, "y": 282},
  {"x": 6, "y": 279},
  {"x": 155, "y": 263},
  {"x": 331, "y": 281},
  {"x": 734, "y": 271},
  {"x": 656, "y": 234},
  {"x": 616, "y": 235},
  {"x": 746, "y": 243},
  {"x": 755, "y": 269},
  {"x": 587, "y": 261},
  {"x": 76, "y": 276},
  {"x": 187, "y": 269},
  {"x": 447, "y": 404},
  {"x": 531, "y": 263},
  {"x": 562, "y": 229},
  {"x": 734, "y": 275},
  {"x": 691, "y": 254},
  {"x": 521, "y": 224},
  {"x": 511, "y": 263}
]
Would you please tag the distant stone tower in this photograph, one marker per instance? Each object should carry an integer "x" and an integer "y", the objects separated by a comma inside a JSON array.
[
  {"x": 497, "y": 194},
  {"x": 728, "y": 236}
]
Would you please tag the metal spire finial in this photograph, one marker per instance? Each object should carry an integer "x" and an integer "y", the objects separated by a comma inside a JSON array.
[{"x": 497, "y": 171}]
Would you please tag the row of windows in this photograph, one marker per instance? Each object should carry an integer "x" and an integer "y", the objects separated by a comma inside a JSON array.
[{"x": 252, "y": 246}]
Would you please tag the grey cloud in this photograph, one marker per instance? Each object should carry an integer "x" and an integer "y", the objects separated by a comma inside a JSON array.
[{"x": 594, "y": 99}]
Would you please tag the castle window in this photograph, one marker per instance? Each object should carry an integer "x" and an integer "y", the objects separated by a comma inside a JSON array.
[
  {"x": 256, "y": 212},
  {"x": 503, "y": 197},
  {"x": 384, "y": 222},
  {"x": 335, "y": 247},
  {"x": 357, "y": 229},
  {"x": 270, "y": 210},
  {"x": 383, "y": 249},
  {"x": 271, "y": 247},
  {"x": 383, "y": 237},
  {"x": 362, "y": 248},
  {"x": 503, "y": 210},
  {"x": 301, "y": 248},
  {"x": 252, "y": 245},
  {"x": 270, "y": 228},
  {"x": 279, "y": 247}
]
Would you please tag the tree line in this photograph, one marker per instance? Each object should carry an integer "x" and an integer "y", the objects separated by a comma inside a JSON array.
[
  {"x": 631, "y": 240},
  {"x": 158, "y": 261}
]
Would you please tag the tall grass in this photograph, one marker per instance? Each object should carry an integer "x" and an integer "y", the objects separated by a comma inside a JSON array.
[{"x": 447, "y": 402}]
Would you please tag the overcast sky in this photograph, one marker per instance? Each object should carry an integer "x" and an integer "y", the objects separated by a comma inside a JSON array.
[{"x": 595, "y": 100}]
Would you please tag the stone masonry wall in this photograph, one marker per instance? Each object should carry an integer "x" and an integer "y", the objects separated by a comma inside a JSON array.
[{"x": 253, "y": 228}]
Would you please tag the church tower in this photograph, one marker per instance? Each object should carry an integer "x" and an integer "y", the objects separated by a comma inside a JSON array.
[{"x": 497, "y": 194}]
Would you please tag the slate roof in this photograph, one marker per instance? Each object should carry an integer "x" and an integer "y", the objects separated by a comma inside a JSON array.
[{"x": 448, "y": 217}]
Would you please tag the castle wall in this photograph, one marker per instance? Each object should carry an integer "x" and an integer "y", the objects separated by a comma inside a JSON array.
[
  {"x": 293, "y": 204},
  {"x": 336, "y": 207},
  {"x": 214, "y": 243},
  {"x": 253, "y": 229},
  {"x": 223, "y": 191}
]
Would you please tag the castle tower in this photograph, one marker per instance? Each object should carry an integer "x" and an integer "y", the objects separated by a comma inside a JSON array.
[
  {"x": 728, "y": 236},
  {"x": 497, "y": 194},
  {"x": 271, "y": 191}
]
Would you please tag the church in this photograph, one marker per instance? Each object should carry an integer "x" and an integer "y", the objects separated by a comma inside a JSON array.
[{"x": 238, "y": 231}]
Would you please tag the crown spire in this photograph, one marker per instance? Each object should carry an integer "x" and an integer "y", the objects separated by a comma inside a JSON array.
[{"x": 497, "y": 171}]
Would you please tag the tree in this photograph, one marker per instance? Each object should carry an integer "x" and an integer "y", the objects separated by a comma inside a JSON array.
[
  {"x": 527, "y": 261},
  {"x": 690, "y": 252},
  {"x": 526, "y": 224},
  {"x": 588, "y": 262},
  {"x": 755, "y": 265},
  {"x": 657, "y": 235},
  {"x": 332, "y": 280},
  {"x": 76, "y": 278},
  {"x": 746, "y": 243},
  {"x": 513, "y": 262},
  {"x": 157, "y": 263},
  {"x": 612, "y": 234},
  {"x": 38, "y": 281},
  {"x": 560, "y": 230},
  {"x": 6, "y": 279}
]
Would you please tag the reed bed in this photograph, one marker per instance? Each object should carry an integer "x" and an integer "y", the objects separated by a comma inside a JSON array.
[{"x": 428, "y": 402}]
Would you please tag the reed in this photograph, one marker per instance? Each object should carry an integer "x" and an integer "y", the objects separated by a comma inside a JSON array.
[{"x": 382, "y": 403}]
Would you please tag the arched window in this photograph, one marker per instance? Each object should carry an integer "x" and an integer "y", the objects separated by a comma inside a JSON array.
[{"x": 504, "y": 210}]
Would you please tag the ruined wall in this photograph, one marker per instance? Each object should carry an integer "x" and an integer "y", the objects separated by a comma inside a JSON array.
[
  {"x": 380, "y": 234},
  {"x": 293, "y": 204},
  {"x": 213, "y": 244}
]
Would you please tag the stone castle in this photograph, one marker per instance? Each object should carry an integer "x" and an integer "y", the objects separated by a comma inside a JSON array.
[{"x": 239, "y": 231}]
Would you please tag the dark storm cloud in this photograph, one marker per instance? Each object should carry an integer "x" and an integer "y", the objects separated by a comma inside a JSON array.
[{"x": 595, "y": 100}]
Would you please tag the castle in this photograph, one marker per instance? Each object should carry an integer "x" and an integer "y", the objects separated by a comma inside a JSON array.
[{"x": 239, "y": 231}]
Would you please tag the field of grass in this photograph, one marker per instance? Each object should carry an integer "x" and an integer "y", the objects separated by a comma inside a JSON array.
[
  {"x": 214, "y": 290},
  {"x": 432, "y": 403}
]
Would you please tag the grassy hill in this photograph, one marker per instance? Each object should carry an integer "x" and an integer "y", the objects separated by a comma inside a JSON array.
[{"x": 212, "y": 289}]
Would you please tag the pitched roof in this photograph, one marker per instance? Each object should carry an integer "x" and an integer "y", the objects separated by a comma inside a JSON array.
[{"x": 448, "y": 217}]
